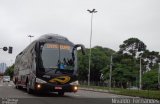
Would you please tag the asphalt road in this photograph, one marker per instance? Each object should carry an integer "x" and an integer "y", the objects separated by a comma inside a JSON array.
[{"x": 8, "y": 93}]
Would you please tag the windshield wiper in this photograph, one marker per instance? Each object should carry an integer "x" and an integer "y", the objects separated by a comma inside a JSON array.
[{"x": 50, "y": 69}]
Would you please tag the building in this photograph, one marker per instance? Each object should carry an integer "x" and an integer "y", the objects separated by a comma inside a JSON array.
[{"x": 3, "y": 67}]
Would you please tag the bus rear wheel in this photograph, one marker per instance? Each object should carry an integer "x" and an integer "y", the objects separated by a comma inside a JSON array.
[{"x": 17, "y": 86}]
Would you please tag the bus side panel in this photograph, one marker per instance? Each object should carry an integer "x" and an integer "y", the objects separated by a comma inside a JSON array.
[{"x": 23, "y": 66}]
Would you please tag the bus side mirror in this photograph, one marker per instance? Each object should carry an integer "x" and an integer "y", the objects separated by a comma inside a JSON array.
[
  {"x": 82, "y": 48},
  {"x": 75, "y": 47}
]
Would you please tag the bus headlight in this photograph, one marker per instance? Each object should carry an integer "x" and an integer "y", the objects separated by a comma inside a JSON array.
[
  {"x": 40, "y": 80},
  {"x": 74, "y": 83},
  {"x": 38, "y": 86},
  {"x": 75, "y": 88}
]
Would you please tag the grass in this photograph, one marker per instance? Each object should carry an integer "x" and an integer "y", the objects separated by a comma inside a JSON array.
[{"x": 151, "y": 94}]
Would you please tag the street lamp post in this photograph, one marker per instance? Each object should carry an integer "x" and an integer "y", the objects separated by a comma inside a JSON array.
[
  {"x": 30, "y": 36},
  {"x": 159, "y": 77},
  {"x": 141, "y": 47},
  {"x": 140, "y": 74},
  {"x": 90, "y": 11},
  {"x": 110, "y": 75}
]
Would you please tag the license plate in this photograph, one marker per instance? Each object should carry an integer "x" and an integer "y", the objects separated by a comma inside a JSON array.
[{"x": 58, "y": 88}]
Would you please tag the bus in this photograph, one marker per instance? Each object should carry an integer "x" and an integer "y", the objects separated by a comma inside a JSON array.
[{"x": 48, "y": 64}]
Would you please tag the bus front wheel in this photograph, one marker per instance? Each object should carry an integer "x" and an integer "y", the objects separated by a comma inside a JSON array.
[{"x": 29, "y": 90}]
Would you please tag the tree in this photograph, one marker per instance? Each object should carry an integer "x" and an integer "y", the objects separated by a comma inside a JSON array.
[
  {"x": 131, "y": 46},
  {"x": 130, "y": 53},
  {"x": 151, "y": 58},
  {"x": 150, "y": 79},
  {"x": 9, "y": 71},
  {"x": 100, "y": 58},
  {"x": 125, "y": 66},
  {"x": 83, "y": 65},
  {"x": 98, "y": 62},
  {"x": 125, "y": 71}
]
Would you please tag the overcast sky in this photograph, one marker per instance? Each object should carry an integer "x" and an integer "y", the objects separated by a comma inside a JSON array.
[{"x": 115, "y": 21}]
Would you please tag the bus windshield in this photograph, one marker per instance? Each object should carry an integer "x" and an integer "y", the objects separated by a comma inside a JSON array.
[{"x": 56, "y": 56}]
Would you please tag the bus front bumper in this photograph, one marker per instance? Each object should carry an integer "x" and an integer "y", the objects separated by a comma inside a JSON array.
[{"x": 48, "y": 87}]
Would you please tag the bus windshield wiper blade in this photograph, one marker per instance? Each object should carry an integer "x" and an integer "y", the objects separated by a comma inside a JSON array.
[{"x": 50, "y": 69}]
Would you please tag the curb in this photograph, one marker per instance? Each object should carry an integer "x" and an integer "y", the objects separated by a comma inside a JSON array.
[
  {"x": 94, "y": 90},
  {"x": 104, "y": 91}
]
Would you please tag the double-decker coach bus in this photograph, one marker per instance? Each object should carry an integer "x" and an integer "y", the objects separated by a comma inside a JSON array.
[{"x": 48, "y": 64}]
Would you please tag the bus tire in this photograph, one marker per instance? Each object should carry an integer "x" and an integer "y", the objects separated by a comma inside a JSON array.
[
  {"x": 16, "y": 86},
  {"x": 29, "y": 90}
]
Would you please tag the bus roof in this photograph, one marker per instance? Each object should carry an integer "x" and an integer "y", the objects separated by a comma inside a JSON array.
[{"x": 54, "y": 38}]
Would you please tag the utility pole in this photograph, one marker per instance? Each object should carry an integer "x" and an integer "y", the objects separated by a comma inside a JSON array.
[
  {"x": 141, "y": 47},
  {"x": 140, "y": 75},
  {"x": 110, "y": 75},
  {"x": 90, "y": 11},
  {"x": 159, "y": 76}
]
